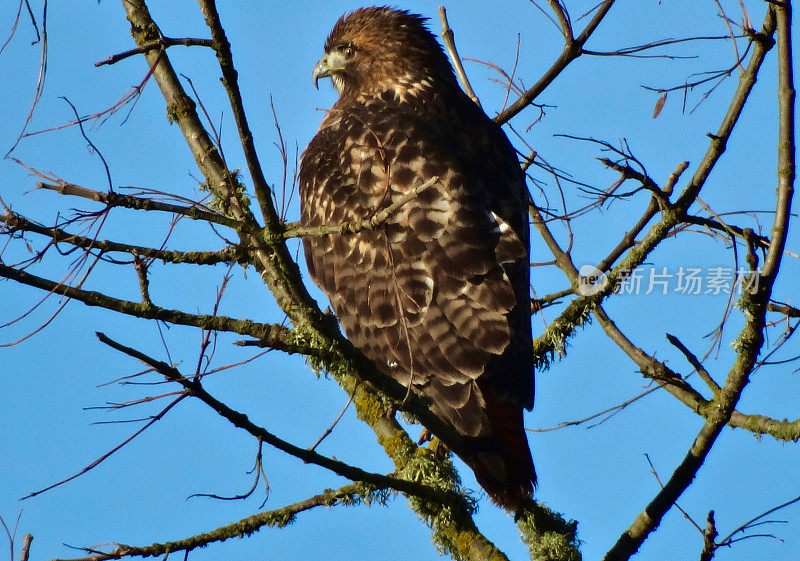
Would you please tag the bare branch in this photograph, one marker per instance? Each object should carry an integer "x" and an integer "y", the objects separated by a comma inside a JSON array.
[
  {"x": 605, "y": 413},
  {"x": 450, "y": 46},
  {"x": 695, "y": 362},
  {"x": 575, "y": 314},
  {"x": 786, "y": 142},
  {"x": 572, "y": 50},
  {"x": 277, "y": 336},
  {"x": 329, "y": 430},
  {"x": 39, "y": 83},
  {"x": 230, "y": 79},
  {"x": 633, "y": 51},
  {"x": 194, "y": 388},
  {"x": 709, "y": 535},
  {"x": 161, "y": 43},
  {"x": 26, "y": 547},
  {"x": 114, "y": 199},
  {"x": 754, "y": 521},
  {"x": 785, "y": 309},
  {"x": 102, "y": 458}
]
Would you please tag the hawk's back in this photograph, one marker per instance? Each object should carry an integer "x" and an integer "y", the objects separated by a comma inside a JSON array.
[{"x": 437, "y": 295}]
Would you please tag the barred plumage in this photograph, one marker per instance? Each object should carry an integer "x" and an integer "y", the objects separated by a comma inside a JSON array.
[{"x": 438, "y": 294}]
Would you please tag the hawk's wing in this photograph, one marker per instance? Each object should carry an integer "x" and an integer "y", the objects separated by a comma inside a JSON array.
[{"x": 431, "y": 295}]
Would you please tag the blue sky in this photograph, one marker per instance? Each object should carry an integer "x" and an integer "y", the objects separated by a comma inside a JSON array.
[{"x": 598, "y": 476}]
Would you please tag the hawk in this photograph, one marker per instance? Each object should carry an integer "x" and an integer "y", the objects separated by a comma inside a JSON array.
[{"x": 437, "y": 295}]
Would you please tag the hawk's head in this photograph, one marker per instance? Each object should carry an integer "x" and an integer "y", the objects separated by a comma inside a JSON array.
[{"x": 375, "y": 49}]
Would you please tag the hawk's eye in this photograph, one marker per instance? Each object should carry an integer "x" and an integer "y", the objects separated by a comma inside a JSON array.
[{"x": 347, "y": 49}]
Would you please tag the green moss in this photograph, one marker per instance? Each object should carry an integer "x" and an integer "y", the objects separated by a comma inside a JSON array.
[
  {"x": 173, "y": 115},
  {"x": 548, "y": 535},
  {"x": 280, "y": 519},
  {"x": 221, "y": 198},
  {"x": 396, "y": 447},
  {"x": 554, "y": 340}
]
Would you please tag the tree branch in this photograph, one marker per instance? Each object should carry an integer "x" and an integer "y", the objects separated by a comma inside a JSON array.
[
  {"x": 230, "y": 79},
  {"x": 17, "y": 223},
  {"x": 573, "y": 48},
  {"x": 577, "y": 311},
  {"x": 348, "y": 495},
  {"x": 750, "y": 341},
  {"x": 450, "y": 45},
  {"x": 239, "y": 420},
  {"x": 276, "y": 336},
  {"x": 161, "y": 43},
  {"x": 695, "y": 362},
  {"x": 114, "y": 199}
]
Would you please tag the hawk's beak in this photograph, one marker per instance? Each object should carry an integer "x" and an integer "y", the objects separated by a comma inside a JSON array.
[{"x": 328, "y": 65}]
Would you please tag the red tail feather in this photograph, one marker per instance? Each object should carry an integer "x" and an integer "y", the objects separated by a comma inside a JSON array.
[{"x": 505, "y": 468}]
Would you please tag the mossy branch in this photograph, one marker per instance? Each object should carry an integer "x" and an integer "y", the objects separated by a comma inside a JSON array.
[
  {"x": 114, "y": 199},
  {"x": 348, "y": 495},
  {"x": 11, "y": 223},
  {"x": 274, "y": 335},
  {"x": 577, "y": 312}
]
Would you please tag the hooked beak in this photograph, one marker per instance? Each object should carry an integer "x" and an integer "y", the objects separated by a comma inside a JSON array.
[{"x": 327, "y": 66}]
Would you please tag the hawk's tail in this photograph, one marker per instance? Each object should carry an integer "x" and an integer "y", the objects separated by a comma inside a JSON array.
[{"x": 504, "y": 468}]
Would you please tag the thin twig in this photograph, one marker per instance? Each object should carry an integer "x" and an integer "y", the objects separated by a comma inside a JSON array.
[
  {"x": 752, "y": 522},
  {"x": 695, "y": 362},
  {"x": 329, "y": 430},
  {"x": 194, "y": 388},
  {"x": 155, "y": 418},
  {"x": 160, "y": 43},
  {"x": 37, "y": 96}
]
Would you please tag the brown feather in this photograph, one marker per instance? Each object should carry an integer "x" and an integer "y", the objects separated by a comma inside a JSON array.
[{"x": 438, "y": 294}]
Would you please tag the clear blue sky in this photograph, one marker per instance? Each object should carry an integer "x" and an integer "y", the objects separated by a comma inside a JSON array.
[{"x": 599, "y": 476}]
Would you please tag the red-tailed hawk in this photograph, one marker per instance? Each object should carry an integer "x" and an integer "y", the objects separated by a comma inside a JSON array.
[{"x": 437, "y": 295}]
